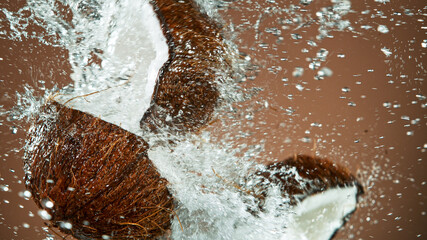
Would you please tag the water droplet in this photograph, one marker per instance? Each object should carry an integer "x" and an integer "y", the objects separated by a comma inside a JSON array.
[
  {"x": 298, "y": 72},
  {"x": 25, "y": 194},
  {"x": 424, "y": 43},
  {"x": 386, "y": 51},
  {"x": 296, "y": 36},
  {"x": 315, "y": 124},
  {"x": 312, "y": 43},
  {"x": 25, "y": 225},
  {"x": 382, "y": 29},
  {"x": 4, "y": 188},
  {"x": 299, "y": 87},
  {"x": 322, "y": 54},
  {"x": 14, "y": 130},
  {"x": 325, "y": 72},
  {"x": 345, "y": 89},
  {"x": 66, "y": 225},
  {"x": 44, "y": 215},
  {"x": 306, "y": 2}
]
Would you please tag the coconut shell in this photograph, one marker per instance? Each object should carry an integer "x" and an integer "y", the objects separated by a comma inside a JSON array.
[
  {"x": 186, "y": 91},
  {"x": 97, "y": 175},
  {"x": 302, "y": 176}
]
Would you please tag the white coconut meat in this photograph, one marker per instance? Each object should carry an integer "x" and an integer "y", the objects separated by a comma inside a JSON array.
[
  {"x": 319, "y": 216},
  {"x": 135, "y": 52}
]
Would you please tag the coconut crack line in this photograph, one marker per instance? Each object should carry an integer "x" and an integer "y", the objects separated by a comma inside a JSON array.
[{"x": 186, "y": 92}]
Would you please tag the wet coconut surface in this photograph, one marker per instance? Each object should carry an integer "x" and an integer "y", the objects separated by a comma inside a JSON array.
[
  {"x": 93, "y": 179},
  {"x": 321, "y": 147}
]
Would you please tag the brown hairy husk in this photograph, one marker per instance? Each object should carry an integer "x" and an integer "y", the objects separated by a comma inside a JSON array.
[
  {"x": 313, "y": 175},
  {"x": 186, "y": 92},
  {"x": 97, "y": 175}
]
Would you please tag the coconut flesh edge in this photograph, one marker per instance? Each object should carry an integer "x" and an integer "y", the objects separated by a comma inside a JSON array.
[
  {"x": 319, "y": 216},
  {"x": 139, "y": 49}
]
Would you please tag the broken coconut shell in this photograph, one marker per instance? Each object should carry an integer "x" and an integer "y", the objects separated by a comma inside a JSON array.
[
  {"x": 94, "y": 179},
  {"x": 186, "y": 91},
  {"x": 321, "y": 194}
]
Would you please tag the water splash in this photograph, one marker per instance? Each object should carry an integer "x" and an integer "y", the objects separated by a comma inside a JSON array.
[{"x": 197, "y": 164}]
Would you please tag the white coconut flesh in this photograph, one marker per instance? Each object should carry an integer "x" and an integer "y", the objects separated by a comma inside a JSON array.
[
  {"x": 135, "y": 52},
  {"x": 319, "y": 216}
]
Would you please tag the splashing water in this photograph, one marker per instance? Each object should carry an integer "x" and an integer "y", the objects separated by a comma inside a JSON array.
[{"x": 203, "y": 172}]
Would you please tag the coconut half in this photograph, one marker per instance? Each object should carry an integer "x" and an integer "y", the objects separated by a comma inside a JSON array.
[
  {"x": 187, "y": 93},
  {"x": 321, "y": 195},
  {"x": 93, "y": 179}
]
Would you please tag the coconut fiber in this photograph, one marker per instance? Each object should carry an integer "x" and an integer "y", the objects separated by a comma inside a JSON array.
[
  {"x": 186, "y": 93},
  {"x": 97, "y": 176}
]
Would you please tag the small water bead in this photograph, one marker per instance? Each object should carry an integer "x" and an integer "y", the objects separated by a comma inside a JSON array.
[
  {"x": 306, "y": 2},
  {"x": 4, "y": 188},
  {"x": 325, "y": 72},
  {"x": 298, "y": 72},
  {"x": 351, "y": 104},
  {"x": 315, "y": 124},
  {"x": 299, "y": 87},
  {"x": 386, "y": 51},
  {"x": 322, "y": 54},
  {"x": 312, "y": 43},
  {"x": 25, "y": 225},
  {"x": 345, "y": 89},
  {"x": 305, "y": 140},
  {"x": 48, "y": 204},
  {"x": 66, "y": 225},
  {"x": 14, "y": 130},
  {"x": 25, "y": 194},
  {"x": 44, "y": 215},
  {"x": 387, "y": 105},
  {"x": 296, "y": 36},
  {"x": 314, "y": 65},
  {"x": 382, "y": 29},
  {"x": 424, "y": 43}
]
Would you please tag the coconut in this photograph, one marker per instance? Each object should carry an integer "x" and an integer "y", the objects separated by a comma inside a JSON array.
[
  {"x": 321, "y": 195},
  {"x": 93, "y": 179},
  {"x": 186, "y": 92}
]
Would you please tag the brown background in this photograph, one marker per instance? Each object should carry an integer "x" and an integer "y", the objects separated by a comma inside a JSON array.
[{"x": 369, "y": 138}]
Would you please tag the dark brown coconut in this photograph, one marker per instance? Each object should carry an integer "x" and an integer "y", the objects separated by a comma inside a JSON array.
[
  {"x": 186, "y": 93},
  {"x": 302, "y": 177},
  {"x": 317, "y": 175},
  {"x": 97, "y": 176},
  {"x": 312, "y": 175}
]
